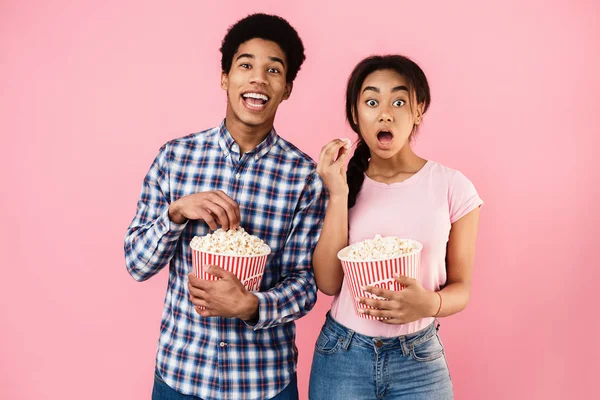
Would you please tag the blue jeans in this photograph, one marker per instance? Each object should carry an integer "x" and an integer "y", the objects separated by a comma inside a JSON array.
[
  {"x": 162, "y": 391},
  {"x": 347, "y": 365}
]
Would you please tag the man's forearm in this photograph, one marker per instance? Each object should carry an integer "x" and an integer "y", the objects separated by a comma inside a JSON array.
[{"x": 249, "y": 311}]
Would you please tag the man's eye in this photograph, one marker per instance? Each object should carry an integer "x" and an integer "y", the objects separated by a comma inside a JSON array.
[
  {"x": 245, "y": 65},
  {"x": 399, "y": 103},
  {"x": 372, "y": 103},
  {"x": 273, "y": 70}
]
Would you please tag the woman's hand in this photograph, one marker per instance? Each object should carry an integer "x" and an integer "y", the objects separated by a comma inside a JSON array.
[
  {"x": 332, "y": 166},
  {"x": 407, "y": 305}
]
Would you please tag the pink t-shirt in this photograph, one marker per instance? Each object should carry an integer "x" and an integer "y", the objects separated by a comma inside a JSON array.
[{"x": 422, "y": 208}]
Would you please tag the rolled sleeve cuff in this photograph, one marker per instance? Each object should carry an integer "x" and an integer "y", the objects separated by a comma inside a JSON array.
[
  {"x": 164, "y": 226},
  {"x": 266, "y": 305}
]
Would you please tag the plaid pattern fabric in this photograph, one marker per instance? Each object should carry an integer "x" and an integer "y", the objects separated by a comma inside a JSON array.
[{"x": 282, "y": 201}]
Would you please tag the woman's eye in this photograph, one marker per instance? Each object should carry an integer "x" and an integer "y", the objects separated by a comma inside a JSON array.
[
  {"x": 399, "y": 103},
  {"x": 372, "y": 103}
]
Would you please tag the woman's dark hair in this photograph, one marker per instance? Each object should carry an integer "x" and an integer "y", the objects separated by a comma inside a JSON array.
[
  {"x": 267, "y": 27},
  {"x": 417, "y": 84}
]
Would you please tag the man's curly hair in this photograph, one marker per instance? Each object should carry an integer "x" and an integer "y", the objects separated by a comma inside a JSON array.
[{"x": 267, "y": 27}]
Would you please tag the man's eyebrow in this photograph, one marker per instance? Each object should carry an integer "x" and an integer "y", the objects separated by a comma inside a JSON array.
[
  {"x": 277, "y": 59},
  {"x": 248, "y": 55}
]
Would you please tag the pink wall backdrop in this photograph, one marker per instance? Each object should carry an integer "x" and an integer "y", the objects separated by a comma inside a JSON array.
[{"x": 91, "y": 90}]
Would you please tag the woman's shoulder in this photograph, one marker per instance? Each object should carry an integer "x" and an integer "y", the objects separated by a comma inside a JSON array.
[
  {"x": 451, "y": 177},
  {"x": 441, "y": 171}
]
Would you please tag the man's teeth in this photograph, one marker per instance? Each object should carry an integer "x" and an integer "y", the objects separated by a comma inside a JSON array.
[{"x": 255, "y": 96}]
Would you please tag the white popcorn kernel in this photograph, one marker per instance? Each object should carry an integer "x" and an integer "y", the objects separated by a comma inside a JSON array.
[
  {"x": 380, "y": 248},
  {"x": 235, "y": 242}
]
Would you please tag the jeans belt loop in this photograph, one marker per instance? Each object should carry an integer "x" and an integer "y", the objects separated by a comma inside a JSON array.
[{"x": 348, "y": 339}]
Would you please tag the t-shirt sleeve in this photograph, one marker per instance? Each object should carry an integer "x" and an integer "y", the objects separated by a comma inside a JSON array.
[{"x": 463, "y": 197}]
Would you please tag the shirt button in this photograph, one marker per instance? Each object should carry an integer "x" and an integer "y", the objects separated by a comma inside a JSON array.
[
  {"x": 222, "y": 344},
  {"x": 238, "y": 175}
]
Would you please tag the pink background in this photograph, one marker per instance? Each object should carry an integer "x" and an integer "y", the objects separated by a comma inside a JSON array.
[{"x": 91, "y": 90}]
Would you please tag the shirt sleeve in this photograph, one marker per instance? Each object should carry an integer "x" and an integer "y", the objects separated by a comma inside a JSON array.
[
  {"x": 296, "y": 292},
  {"x": 463, "y": 197},
  {"x": 152, "y": 237}
]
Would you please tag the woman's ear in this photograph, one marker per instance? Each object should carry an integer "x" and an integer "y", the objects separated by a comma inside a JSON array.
[{"x": 419, "y": 113}]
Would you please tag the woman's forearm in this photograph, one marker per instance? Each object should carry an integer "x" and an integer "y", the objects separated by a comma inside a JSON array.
[
  {"x": 455, "y": 297},
  {"x": 334, "y": 237}
]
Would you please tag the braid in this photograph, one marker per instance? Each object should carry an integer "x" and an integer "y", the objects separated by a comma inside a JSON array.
[{"x": 356, "y": 171}]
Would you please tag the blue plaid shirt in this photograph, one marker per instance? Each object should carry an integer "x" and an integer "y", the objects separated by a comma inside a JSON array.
[{"x": 282, "y": 201}]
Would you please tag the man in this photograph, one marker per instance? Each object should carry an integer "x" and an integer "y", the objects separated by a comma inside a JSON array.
[{"x": 239, "y": 174}]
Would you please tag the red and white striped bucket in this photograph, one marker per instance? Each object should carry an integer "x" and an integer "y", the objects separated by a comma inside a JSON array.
[
  {"x": 248, "y": 269},
  {"x": 379, "y": 273}
]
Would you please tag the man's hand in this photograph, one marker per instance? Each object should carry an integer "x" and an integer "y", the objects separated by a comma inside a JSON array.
[
  {"x": 226, "y": 297},
  {"x": 214, "y": 207}
]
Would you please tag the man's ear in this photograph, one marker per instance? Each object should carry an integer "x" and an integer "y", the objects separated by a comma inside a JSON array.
[
  {"x": 224, "y": 80},
  {"x": 288, "y": 90}
]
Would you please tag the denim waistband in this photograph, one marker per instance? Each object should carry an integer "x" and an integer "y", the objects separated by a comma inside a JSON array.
[{"x": 405, "y": 342}]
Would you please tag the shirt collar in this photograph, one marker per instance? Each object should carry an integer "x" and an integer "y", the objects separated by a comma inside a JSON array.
[{"x": 228, "y": 144}]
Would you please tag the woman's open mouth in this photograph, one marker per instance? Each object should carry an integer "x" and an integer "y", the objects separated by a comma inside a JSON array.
[{"x": 384, "y": 139}]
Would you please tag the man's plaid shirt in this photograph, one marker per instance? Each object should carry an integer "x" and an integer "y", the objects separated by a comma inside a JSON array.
[{"x": 282, "y": 200}]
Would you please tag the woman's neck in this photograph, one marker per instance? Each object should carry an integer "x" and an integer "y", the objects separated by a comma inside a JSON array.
[{"x": 402, "y": 165}]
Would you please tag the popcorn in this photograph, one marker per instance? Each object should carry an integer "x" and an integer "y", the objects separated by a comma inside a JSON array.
[
  {"x": 380, "y": 248},
  {"x": 234, "y": 242},
  {"x": 377, "y": 262}
]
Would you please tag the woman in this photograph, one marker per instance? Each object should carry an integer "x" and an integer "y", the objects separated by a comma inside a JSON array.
[{"x": 389, "y": 190}]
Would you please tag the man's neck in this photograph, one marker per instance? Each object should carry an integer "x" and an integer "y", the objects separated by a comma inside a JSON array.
[{"x": 247, "y": 137}]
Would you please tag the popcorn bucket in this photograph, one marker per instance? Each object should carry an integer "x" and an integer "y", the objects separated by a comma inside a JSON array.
[
  {"x": 378, "y": 273},
  {"x": 248, "y": 269}
]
